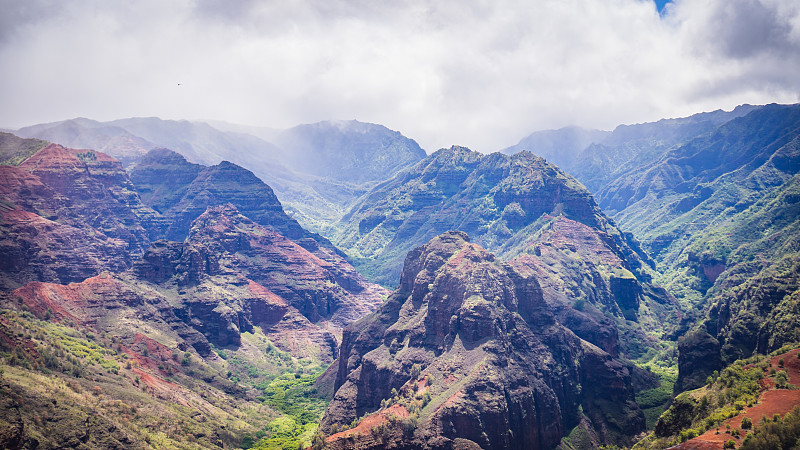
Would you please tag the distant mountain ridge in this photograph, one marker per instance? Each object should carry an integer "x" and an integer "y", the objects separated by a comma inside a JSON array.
[
  {"x": 561, "y": 146},
  {"x": 318, "y": 169},
  {"x": 350, "y": 151},
  {"x": 596, "y": 157}
]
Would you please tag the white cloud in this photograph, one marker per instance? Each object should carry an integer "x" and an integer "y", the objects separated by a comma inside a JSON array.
[{"x": 478, "y": 73}]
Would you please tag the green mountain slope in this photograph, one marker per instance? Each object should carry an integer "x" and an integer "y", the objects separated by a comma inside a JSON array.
[
  {"x": 495, "y": 198},
  {"x": 719, "y": 213},
  {"x": 598, "y": 157},
  {"x": 14, "y": 150}
]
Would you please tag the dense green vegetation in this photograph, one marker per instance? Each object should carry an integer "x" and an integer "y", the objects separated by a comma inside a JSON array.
[
  {"x": 654, "y": 402},
  {"x": 14, "y": 149},
  {"x": 295, "y": 396},
  {"x": 286, "y": 386}
]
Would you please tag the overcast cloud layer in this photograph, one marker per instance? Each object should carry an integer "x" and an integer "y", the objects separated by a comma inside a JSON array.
[{"x": 477, "y": 73}]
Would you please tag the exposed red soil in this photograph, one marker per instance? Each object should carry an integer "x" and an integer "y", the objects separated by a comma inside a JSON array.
[
  {"x": 373, "y": 420},
  {"x": 266, "y": 294},
  {"x": 158, "y": 354},
  {"x": 161, "y": 388},
  {"x": 154, "y": 348},
  {"x": 773, "y": 401},
  {"x": 65, "y": 301},
  {"x": 13, "y": 180},
  {"x": 152, "y": 381}
]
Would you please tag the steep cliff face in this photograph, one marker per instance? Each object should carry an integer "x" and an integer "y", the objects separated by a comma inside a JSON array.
[
  {"x": 67, "y": 214},
  {"x": 100, "y": 192},
  {"x": 162, "y": 176},
  {"x": 181, "y": 192},
  {"x": 527, "y": 211},
  {"x": 37, "y": 249},
  {"x": 471, "y": 351},
  {"x": 233, "y": 273},
  {"x": 586, "y": 281},
  {"x": 229, "y": 183}
]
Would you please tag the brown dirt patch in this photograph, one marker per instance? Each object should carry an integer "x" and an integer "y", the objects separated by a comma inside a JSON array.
[
  {"x": 773, "y": 401},
  {"x": 373, "y": 420}
]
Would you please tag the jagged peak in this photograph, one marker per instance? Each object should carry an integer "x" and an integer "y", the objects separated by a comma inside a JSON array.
[
  {"x": 423, "y": 262},
  {"x": 454, "y": 150}
]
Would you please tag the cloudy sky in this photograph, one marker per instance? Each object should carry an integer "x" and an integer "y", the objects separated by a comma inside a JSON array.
[{"x": 479, "y": 73}]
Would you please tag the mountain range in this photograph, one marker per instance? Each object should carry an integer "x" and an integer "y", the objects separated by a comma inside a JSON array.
[
  {"x": 188, "y": 284},
  {"x": 317, "y": 170}
]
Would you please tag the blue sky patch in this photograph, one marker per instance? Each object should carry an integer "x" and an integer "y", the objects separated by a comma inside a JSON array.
[{"x": 660, "y": 4}]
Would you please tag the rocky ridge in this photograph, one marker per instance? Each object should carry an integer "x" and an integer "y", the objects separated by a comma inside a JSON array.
[
  {"x": 470, "y": 349},
  {"x": 719, "y": 215},
  {"x": 495, "y": 198},
  {"x": 182, "y": 191},
  {"x": 526, "y": 209},
  {"x": 317, "y": 170},
  {"x": 59, "y": 200},
  {"x": 229, "y": 275},
  {"x": 227, "y": 250}
]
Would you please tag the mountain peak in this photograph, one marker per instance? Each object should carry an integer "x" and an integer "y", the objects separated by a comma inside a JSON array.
[
  {"x": 456, "y": 149},
  {"x": 478, "y": 339}
]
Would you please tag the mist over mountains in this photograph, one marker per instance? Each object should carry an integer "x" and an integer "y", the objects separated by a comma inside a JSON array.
[{"x": 332, "y": 285}]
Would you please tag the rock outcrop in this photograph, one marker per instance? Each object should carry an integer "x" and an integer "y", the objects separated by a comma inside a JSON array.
[
  {"x": 66, "y": 215},
  {"x": 181, "y": 191},
  {"x": 37, "y": 249},
  {"x": 97, "y": 193},
  {"x": 110, "y": 304},
  {"x": 470, "y": 350},
  {"x": 232, "y": 273},
  {"x": 525, "y": 210}
]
